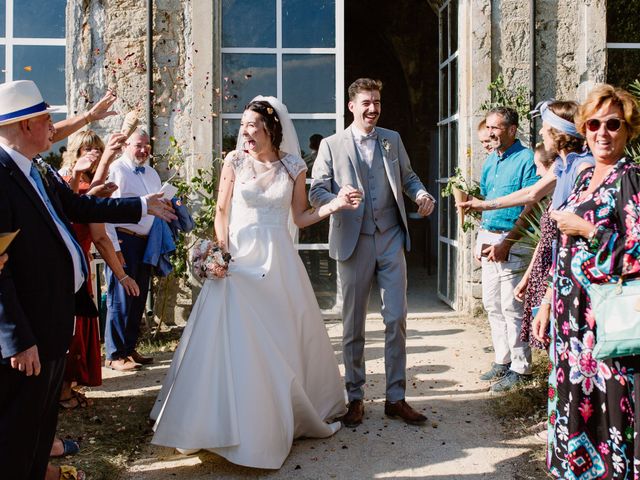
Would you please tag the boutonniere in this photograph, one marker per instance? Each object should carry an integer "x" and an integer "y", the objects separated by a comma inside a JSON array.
[
  {"x": 386, "y": 145},
  {"x": 42, "y": 169}
]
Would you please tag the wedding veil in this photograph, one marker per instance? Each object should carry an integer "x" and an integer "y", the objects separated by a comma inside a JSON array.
[{"x": 289, "y": 137}]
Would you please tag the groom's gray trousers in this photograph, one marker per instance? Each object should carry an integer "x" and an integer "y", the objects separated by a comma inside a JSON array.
[{"x": 381, "y": 255}]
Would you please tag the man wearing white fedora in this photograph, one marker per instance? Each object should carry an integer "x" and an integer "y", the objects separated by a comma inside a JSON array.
[{"x": 42, "y": 283}]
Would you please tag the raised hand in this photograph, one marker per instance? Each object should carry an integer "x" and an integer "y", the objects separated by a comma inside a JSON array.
[
  {"x": 115, "y": 144},
  {"x": 158, "y": 207},
  {"x": 101, "y": 109}
]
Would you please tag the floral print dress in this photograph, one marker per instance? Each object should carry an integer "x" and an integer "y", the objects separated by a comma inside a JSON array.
[{"x": 591, "y": 403}]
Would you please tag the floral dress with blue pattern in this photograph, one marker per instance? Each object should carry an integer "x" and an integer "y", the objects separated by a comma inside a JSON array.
[{"x": 591, "y": 403}]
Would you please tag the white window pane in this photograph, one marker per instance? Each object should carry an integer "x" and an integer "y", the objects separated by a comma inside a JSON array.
[
  {"x": 244, "y": 76},
  {"x": 39, "y": 18},
  {"x": 248, "y": 23},
  {"x": 309, "y": 83},
  {"x": 45, "y": 66},
  {"x": 308, "y": 23}
]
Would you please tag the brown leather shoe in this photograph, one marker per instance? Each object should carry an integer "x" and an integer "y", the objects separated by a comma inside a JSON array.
[
  {"x": 137, "y": 358},
  {"x": 122, "y": 365},
  {"x": 404, "y": 411},
  {"x": 354, "y": 415}
]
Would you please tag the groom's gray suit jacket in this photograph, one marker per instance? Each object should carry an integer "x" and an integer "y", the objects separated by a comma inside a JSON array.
[{"x": 338, "y": 164}]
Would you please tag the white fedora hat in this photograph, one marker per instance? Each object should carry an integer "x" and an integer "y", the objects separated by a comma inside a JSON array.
[{"x": 20, "y": 100}]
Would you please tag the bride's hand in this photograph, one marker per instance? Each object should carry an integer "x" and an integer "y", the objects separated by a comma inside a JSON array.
[{"x": 348, "y": 198}]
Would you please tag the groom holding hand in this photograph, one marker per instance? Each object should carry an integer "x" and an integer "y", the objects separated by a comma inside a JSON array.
[{"x": 370, "y": 241}]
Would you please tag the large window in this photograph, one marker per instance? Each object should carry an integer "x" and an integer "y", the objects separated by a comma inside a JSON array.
[
  {"x": 448, "y": 152},
  {"x": 32, "y": 47},
  {"x": 292, "y": 50},
  {"x": 623, "y": 42}
]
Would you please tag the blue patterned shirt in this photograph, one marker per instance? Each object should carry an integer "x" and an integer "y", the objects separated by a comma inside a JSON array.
[{"x": 502, "y": 175}]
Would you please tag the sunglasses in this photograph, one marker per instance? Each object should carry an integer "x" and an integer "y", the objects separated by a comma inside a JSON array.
[{"x": 612, "y": 124}]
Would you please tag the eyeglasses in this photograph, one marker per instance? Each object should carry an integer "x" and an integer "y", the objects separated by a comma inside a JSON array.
[{"x": 611, "y": 124}]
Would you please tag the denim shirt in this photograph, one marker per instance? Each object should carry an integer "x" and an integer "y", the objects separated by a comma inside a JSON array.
[
  {"x": 566, "y": 176},
  {"x": 502, "y": 175}
]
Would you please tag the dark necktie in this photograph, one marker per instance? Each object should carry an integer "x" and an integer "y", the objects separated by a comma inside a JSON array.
[{"x": 35, "y": 174}]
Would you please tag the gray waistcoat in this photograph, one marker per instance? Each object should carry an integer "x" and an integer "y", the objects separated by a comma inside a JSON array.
[{"x": 380, "y": 209}]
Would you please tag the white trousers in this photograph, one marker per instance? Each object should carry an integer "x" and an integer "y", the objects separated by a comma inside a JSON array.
[{"x": 505, "y": 312}]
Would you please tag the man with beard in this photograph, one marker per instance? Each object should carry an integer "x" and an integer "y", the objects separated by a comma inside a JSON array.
[
  {"x": 369, "y": 242},
  {"x": 133, "y": 176},
  {"x": 509, "y": 167}
]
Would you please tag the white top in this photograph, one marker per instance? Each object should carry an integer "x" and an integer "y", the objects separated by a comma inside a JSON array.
[
  {"x": 24, "y": 164},
  {"x": 132, "y": 184}
]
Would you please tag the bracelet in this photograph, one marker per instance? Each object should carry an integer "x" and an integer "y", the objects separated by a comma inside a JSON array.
[{"x": 123, "y": 278}]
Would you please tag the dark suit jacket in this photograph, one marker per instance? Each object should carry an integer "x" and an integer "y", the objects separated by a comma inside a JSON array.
[{"x": 37, "y": 300}]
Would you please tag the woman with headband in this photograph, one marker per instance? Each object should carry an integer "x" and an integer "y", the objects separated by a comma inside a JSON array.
[{"x": 561, "y": 138}]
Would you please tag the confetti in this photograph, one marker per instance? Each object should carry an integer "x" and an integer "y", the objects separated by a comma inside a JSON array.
[{"x": 27, "y": 68}]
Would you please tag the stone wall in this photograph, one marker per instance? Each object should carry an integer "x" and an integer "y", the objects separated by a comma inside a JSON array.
[{"x": 106, "y": 48}]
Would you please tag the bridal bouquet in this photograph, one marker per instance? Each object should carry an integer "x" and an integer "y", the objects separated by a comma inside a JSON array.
[{"x": 209, "y": 260}]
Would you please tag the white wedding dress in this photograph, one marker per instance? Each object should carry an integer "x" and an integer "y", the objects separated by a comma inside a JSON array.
[{"x": 254, "y": 368}]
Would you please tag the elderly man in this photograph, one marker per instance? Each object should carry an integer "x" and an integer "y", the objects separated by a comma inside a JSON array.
[
  {"x": 370, "y": 241},
  {"x": 134, "y": 177},
  {"x": 42, "y": 285},
  {"x": 508, "y": 168}
]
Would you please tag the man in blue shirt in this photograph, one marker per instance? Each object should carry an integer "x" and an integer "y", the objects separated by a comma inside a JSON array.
[{"x": 508, "y": 168}]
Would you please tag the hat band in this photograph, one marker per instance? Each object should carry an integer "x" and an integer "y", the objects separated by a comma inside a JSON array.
[{"x": 40, "y": 107}]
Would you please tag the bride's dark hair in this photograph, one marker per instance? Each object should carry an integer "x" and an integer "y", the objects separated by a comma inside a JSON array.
[{"x": 271, "y": 120}]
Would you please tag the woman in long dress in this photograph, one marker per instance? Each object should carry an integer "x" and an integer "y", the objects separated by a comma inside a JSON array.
[{"x": 255, "y": 368}]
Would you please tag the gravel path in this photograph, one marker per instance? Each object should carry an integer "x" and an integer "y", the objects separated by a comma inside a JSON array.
[{"x": 462, "y": 439}]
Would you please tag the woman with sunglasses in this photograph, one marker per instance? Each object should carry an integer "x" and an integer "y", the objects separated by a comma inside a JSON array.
[{"x": 592, "y": 423}]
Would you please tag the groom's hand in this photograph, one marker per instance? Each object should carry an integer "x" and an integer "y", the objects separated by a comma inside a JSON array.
[
  {"x": 27, "y": 361},
  {"x": 425, "y": 205}
]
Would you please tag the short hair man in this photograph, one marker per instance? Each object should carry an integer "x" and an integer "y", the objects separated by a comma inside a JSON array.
[
  {"x": 509, "y": 167},
  {"x": 134, "y": 177},
  {"x": 370, "y": 241},
  {"x": 43, "y": 284},
  {"x": 485, "y": 137}
]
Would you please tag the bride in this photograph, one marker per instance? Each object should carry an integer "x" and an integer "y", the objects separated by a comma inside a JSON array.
[{"x": 255, "y": 368}]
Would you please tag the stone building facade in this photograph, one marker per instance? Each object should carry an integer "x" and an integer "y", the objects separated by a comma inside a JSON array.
[{"x": 442, "y": 55}]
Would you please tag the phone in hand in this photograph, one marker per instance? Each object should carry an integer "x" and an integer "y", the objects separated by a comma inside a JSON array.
[{"x": 483, "y": 248}]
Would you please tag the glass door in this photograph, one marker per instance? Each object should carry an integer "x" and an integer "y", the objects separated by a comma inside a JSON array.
[
  {"x": 448, "y": 152},
  {"x": 292, "y": 50}
]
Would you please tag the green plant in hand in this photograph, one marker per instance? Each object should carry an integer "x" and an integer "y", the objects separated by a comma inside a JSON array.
[{"x": 471, "y": 188}]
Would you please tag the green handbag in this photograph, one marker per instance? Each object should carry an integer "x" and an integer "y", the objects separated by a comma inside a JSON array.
[{"x": 616, "y": 308}]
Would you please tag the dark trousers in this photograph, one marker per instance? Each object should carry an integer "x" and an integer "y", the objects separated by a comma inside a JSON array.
[
  {"x": 124, "y": 312},
  {"x": 28, "y": 419}
]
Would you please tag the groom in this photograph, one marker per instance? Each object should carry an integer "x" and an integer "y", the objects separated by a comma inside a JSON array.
[{"x": 370, "y": 241}]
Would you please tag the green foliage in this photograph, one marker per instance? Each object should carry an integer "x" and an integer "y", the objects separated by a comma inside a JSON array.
[
  {"x": 199, "y": 192},
  {"x": 531, "y": 233},
  {"x": 633, "y": 149},
  {"x": 503, "y": 96},
  {"x": 472, "y": 188}
]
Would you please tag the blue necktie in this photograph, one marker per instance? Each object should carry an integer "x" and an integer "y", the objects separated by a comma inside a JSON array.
[
  {"x": 138, "y": 170},
  {"x": 52, "y": 211}
]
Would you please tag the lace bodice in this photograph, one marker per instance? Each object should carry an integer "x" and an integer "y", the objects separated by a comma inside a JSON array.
[{"x": 262, "y": 191}]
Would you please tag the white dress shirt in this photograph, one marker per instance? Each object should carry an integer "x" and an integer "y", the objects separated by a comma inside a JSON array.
[
  {"x": 132, "y": 184},
  {"x": 24, "y": 164}
]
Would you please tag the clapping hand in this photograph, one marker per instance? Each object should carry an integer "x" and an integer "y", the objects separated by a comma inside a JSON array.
[
  {"x": 425, "y": 205},
  {"x": 158, "y": 207},
  {"x": 86, "y": 161},
  {"x": 101, "y": 109},
  {"x": 348, "y": 198}
]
